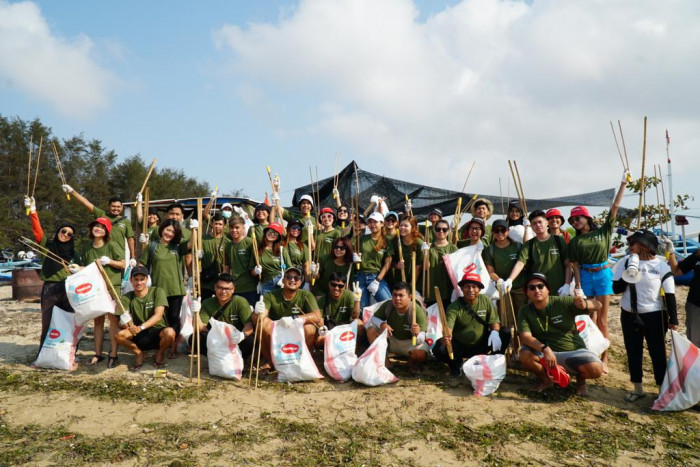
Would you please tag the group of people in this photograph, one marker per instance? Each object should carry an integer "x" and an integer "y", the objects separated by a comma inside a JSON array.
[{"x": 325, "y": 267}]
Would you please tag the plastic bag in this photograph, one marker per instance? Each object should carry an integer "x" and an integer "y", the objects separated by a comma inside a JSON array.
[
  {"x": 370, "y": 369},
  {"x": 434, "y": 331},
  {"x": 224, "y": 356},
  {"x": 339, "y": 351},
  {"x": 290, "y": 356},
  {"x": 485, "y": 372},
  {"x": 591, "y": 335},
  {"x": 369, "y": 311},
  {"x": 58, "y": 348},
  {"x": 681, "y": 387},
  {"x": 88, "y": 294}
]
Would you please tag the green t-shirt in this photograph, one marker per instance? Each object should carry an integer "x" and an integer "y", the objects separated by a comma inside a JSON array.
[
  {"x": 406, "y": 250},
  {"x": 297, "y": 255},
  {"x": 166, "y": 267},
  {"x": 121, "y": 227},
  {"x": 258, "y": 229},
  {"x": 142, "y": 309},
  {"x": 324, "y": 242},
  {"x": 372, "y": 260},
  {"x": 241, "y": 261},
  {"x": 438, "y": 272},
  {"x": 547, "y": 258},
  {"x": 555, "y": 325},
  {"x": 236, "y": 311},
  {"x": 337, "y": 311},
  {"x": 214, "y": 257},
  {"x": 593, "y": 247},
  {"x": 302, "y": 303},
  {"x": 272, "y": 264},
  {"x": 89, "y": 254},
  {"x": 503, "y": 260},
  {"x": 466, "y": 329},
  {"x": 401, "y": 324},
  {"x": 327, "y": 268}
]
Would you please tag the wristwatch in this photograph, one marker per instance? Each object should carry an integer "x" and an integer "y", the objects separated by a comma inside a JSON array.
[{"x": 143, "y": 328}]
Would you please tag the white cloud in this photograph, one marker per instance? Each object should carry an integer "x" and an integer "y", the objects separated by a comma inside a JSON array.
[
  {"x": 49, "y": 68},
  {"x": 487, "y": 80}
]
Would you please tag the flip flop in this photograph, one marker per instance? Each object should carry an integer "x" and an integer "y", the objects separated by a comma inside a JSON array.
[
  {"x": 95, "y": 360},
  {"x": 633, "y": 397},
  {"x": 136, "y": 368},
  {"x": 158, "y": 364},
  {"x": 112, "y": 362}
]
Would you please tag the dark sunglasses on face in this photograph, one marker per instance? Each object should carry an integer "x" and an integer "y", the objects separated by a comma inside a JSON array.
[
  {"x": 293, "y": 277},
  {"x": 499, "y": 231},
  {"x": 576, "y": 218},
  {"x": 295, "y": 227},
  {"x": 337, "y": 285},
  {"x": 67, "y": 233},
  {"x": 342, "y": 210},
  {"x": 532, "y": 287},
  {"x": 441, "y": 229},
  {"x": 339, "y": 247}
]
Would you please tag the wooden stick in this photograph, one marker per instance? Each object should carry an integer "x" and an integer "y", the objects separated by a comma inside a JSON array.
[
  {"x": 257, "y": 366},
  {"x": 468, "y": 175},
  {"x": 146, "y": 202},
  {"x": 457, "y": 218},
  {"x": 663, "y": 194},
  {"x": 426, "y": 274},
  {"x": 44, "y": 252},
  {"x": 641, "y": 183},
  {"x": 500, "y": 191},
  {"x": 658, "y": 200},
  {"x": 446, "y": 332},
  {"x": 624, "y": 147},
  {"x": 110, "y": 287},
  {"x": 59, "y": 167},
  {"x": 370, "y": 208},
  {"x": 624, "y": 167},
  {"x": 413, "y": 292},
  {"x": 148, "y": 175},
  {"x": 257, "y": 321},
  {"x": 29, "y": 166},
  {"x": 522, "y": 192},
  {"x": 38, "y": 160},
  {"x": 400, "y": 248}
]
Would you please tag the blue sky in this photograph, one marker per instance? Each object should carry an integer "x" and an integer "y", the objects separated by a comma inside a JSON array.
[{"x": 415, "y": 90}]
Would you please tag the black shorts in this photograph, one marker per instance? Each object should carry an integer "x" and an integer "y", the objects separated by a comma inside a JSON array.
[{"x": 148, "y": 339}]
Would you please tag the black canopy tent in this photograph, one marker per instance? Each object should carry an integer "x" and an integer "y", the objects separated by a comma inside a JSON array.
[{"x": 424, "y": 198}]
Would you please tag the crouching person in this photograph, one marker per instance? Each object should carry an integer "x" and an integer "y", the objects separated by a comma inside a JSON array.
[
  {"x": 396, "y": 317},
  {"x": 341, "y": 306},
  {"x": 292, "y": 301},
  {"x": 227, "y": 307},
  {"x": 548, "y": 329},
  {"x": 144, "y": 328},
  {"x": 474, "y": 324}
]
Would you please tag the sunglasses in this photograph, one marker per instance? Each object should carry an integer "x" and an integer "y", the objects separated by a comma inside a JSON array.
[
  {"x": 225, "y": 289},
  {"x": 441, "y": 229},
  {"x": 295, "y": 227},
  {"x": 342, "y": 210},
  {"x": 576, "y": 218},
  {"x": 391, "y": 219},
  {"x": 336, "y": 285},
  {"x": 326, "y": 216},
  {"x": 339, "y": 247},
  {"x": 67, "y": 233},
  {"x": 499, "y": 231},
  {"x": 536, "y": 287},
  {"x": 292, "y": 277}
]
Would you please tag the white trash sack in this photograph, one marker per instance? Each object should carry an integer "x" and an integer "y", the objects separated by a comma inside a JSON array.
[
  {"x": 88, "y": 294},
  {"x": 370, "y": 368},
  {"x": 223, "y": 355},
  {"x": 434, "y": 330},
  {"x": 58, "y": 349},
  {"x": 290, "y": 356},
  {"x": 681, "y": 387},
  {"x": 368, "y": 312},
  {"x": 339, "y": 351},
  {"x": 591, "y": 335},
  {"x": 485, "y": 372}
]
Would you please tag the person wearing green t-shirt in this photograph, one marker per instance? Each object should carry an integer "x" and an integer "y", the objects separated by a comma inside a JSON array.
[
  {"x": 261, "y": 219},
  {"x": 374, "y": 262},
  {"x": 326, "y": 235},
  {"x": 427, "y": 231},
  {"x": 548, "y": 332},
  {"x": 474, "y": 233},
  {"x": 409, "y": 241},
  {"x": 343, "y": 222},
  {"x": 481, "y": 209},
  {"x": 474, "y": 326},
  {"x": 396, "y": 317},
  {"x": 340, "y": 306},
  {"x": 111, "y": 258},
  {"x": 289, "y": 301},
  {"x": 214, "y": 248},
  {"x": 143, "y": 328},
  {"x": 299, "y": 253},
  {"x": 438, "y": 276},
  {"x": 338, "y": 261},
  {"x": 240, "y": 261},
  {"x": 273, "y": 258},
  {"x": 227, "y": 307}
]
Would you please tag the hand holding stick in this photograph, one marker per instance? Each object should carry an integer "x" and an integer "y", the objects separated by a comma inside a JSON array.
[{"x": 446, "y": 332}]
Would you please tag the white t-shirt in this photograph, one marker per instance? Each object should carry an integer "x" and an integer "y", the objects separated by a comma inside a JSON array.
[{"x": 649, "y": 287}]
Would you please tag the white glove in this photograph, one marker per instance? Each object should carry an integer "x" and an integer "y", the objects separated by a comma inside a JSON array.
[
  {"x": 104, "y": 260},
  {"x": 452, "y": 224},
  {"x": 306, "y": 287},
  {"x": 425, "y": 247},
  {"x": 200, "y": 254},
  {"x": 374, "y": 199},
  {"x": 257, "y": 270},
  {"x": 499, "y": 285},
  {"x": 276, "y": 181},
  {"x": 194, "y": 224},
  {"x": 196, "y": 305},
  {"x": 322, "y": 331},
  {"x": 139, "y": 198},
  {"x": 507, "y": 285},
  {"x": 143, "y": 238},
  {"x": 73, "y": 268},
  {"x": 275, "y": 197},
  {"x": 357, "y": 257},
  {"x": 494, "y": 340},
  {"x": 260, "y": 307},
  {"x": 21, "y": 254},
  {"x": 407, "y": 205},
  {"x": 132, "y": 262},
  {"x": 32, "y": 205},
  {"x": 373, "y": 286},
  {"x": 27, "y": 201},
  {"x": 258, "y": 288},
  {"x": 30, "y": 255},
  {"x": 313, "y": 268},
  {"x": 280, "y": 283},
  {"x": 626, "y": 177},
  {"x": 526, "y": 223},
  {"x": 336, "y": 193},
  {"x": 67, "y": 189},
  {"x": 666, "y": 245},
  {"x": 238, "y": 210},
  {"x": 215, "y": 193},
  {"x": 579, "y": 293},
  {"x": 564, "y": 290},
  {"x": 420, "y": 338},
  {"x": 124, "y": 318},
  {"x": 310, "y": 228},
  {"x": 356, "y": 291},
  {"x": 479, "y": 246}
]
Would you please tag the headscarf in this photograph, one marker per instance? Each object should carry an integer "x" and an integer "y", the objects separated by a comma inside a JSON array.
[{"x": 65, "y": 251}]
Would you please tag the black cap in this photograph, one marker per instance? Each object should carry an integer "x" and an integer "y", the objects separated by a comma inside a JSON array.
[
  {"x": 152, "y": 211},
  {"x": 436, "y": 211},
  {"x": 538, "y": 276},
  {"x": 499, "y": 223},
  {"x": 646, "y": 238},
  {"x": 143, "y": 270},
  {"x": 263, "y": 206}
]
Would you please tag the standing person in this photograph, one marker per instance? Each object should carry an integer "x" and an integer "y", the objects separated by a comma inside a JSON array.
[
  {"x": 517, "y": 223},
  {"x": 338, "y": 261},
  {"x": 555, "y": 220},
  {"x": 648, "y": 309},
  {"x": 692, "y": 304},
  {"x": 165, "y": 258},
  {"x": 434, "y": 215},
  {"x": 214, "y": 249},
  {"x": 153, "y": 220},
  {"x": 474, "y": 231},
  {"x": 326, "y": 235},
  {"x": 340, "y": 306},
  {"x": 588, "y": 253},
  {"x": 297, "y": 250},
  {"x": 53, "y": 292},
  {"x": 111, "y": 256},
  {"x": 344, "y": 223},
  {"x": 438, "y": 271},
  {"x": 122, "y": 232},
  {"x": 409, "y": 240},
  {"x": 391, "y": 225},
  {"x": 273, "y": 258},
  {"x": 374, "y": 262},
  {"x": 546, "y": 254},
  {"x": 240, "y": 261},
  {"x": 481, "y": 209},
  {"x": 261, "y": 219},
  {"x": 306, "y": 216}
]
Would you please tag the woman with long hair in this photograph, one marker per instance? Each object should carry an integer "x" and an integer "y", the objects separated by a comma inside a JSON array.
[
  {"x": 555, "y": 221},
  {"x": 297, "y": 250},
  {"x": 438, "y": 272},
  {"x": 273, "y": 258},
  {"x": 375, "y": 263},
  {"x": 338, "y": 261},
  {"x": 409, "y": 240}
]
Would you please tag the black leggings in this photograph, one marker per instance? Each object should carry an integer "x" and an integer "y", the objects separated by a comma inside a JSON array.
[
  {"x": 172, "y": 315},
  {"x": 52, "y": 294},
  {"x": 653, "y": 330}
]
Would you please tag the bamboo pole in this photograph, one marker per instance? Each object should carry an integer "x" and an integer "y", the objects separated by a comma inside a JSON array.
[
  {"x": 110, "y": 287},
  {"x": 400, "y": 248},
  {"x": 29, "y": 166},
  {"x": 446, "y": 332},
  {"x": 468, "y": 175},
  {"x": 45, "y": 252},
  {"x": 624, "y": 167},
  {"x": 641, "y": 183},
  {"x": 144, "y": 221},
  {"x": 456, "y": 218},
  {"x": 61, "y": 174},
  {"x": 663, "y": 194},
  {"x": 148, "y": 175},
  {"x": 413, "y": 294},
  {"x": 38, "y": 160},
  {"x": 624, "y": 146}
]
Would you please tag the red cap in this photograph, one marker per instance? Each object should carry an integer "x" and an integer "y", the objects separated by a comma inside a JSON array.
[
  {"x": 276, "y": 227},
  {"x": 471, "y": 278},
  {"x": 328, "y": 211},
  {"x": 104, "y": 222},
  {"x": 553, "y": 213},
  {"x": 579, "y": 211}
]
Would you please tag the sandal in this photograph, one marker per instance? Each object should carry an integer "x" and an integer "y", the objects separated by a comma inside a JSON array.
[
  {"x": 633, "y": 397},
  {"x": 136, "y": 368},
  {"x": 158, "y": 364},
  {"x": 112, "y": 362},
  {"x": 95, "y": 360}
]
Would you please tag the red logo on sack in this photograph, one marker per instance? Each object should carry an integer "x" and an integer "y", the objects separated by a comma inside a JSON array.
[
  {"x": 54, "y": 334},
  {"x": 429, "y": 342},
  {"x": 83, "y": 288},
  {"x": 290, "y": 348},
  {"x": 347, "y": 336},
  {"x": 580, "y": 325}
]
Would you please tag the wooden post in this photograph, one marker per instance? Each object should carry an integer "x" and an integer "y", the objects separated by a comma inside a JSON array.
[
  {"x": 148, "y": 175},
  {"x": 446, "y": 332}
]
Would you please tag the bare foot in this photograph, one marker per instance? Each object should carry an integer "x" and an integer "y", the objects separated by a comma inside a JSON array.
[
  {"x": 542, "y": 385},
  {"x": 606, "y": 370},
  {"x": 582, "y": 389}
]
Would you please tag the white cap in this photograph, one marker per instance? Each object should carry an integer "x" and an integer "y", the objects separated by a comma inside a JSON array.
[
  {"x": 227, "y": 205},
  {"x": 306, "y": 198},
  {"x": 376, "y": 216}
]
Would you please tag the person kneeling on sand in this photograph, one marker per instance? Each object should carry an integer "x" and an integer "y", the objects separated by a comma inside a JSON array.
[
  {"x": 396, "y": 317},
  {"x": 548, "y": 330},
  {"x": 340, "y": 306},
  {"x": 144, "y": 328}
]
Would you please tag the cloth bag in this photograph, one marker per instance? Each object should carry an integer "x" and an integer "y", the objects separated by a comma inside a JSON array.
[
  {"x": 370, "y": 369},
  {"x": 485, "y": 372},
  {"x": 224, "y": 356},
  {"x": 290, "y": 356},
  {"x": 88, "y": 294},
  {"x": 591, "y": 335},
  {"x": 339, "y": 351},
  {"x": 58, "y": 349}
]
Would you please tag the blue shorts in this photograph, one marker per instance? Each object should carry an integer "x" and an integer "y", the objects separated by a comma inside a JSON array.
[{"x": 596, "y": 284}]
